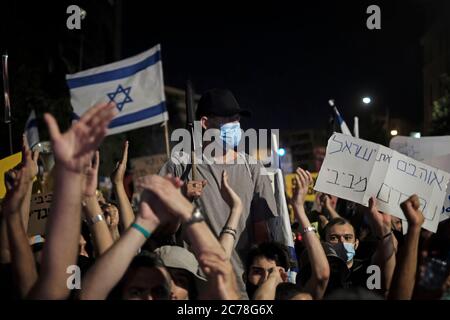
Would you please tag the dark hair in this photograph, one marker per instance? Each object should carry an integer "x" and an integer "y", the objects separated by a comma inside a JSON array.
[
  {"x": 270, "y": 250},
  {"x": 286, "y": 291},
  {"x": 338, "y": 221},
  {"x": 192, "y": 285},
  {"x": 143, "y": 259},
  {"x": 146, "y": 259}
]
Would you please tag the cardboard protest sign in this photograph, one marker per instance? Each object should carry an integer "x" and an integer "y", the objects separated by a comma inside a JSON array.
[
  {"x": 432, "y": 151},
  {"x": 39, "y": 211},
  {"x": 144, "y": 166},
  {"x": 443, "y": 163},
  {"x": 421, "y": 148},
  {"x": 290, "y": 183},
  {"x": 6, "y": 164},
  {"x": 355, "y": 169}
]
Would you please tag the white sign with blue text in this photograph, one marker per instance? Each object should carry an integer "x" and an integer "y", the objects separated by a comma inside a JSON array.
[
  {"x": 355, "y": 170},
  {"x": 443, "y": 163}
]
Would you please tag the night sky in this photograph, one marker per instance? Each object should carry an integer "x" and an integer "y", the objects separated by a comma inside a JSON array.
[
  {"x": 283, "y": 59},
  {"x": 284, "y": 62}
]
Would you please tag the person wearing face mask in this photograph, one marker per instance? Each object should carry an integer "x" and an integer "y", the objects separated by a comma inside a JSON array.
[
  {"x": 218, "y": 110},
  {"x": 340, "y": 249}
]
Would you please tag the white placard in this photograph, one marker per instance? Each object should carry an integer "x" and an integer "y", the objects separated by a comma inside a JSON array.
[
  {"x": 421, "y": 148},
  {"x": 443, "y": 163},
  {"x": 355, "y": 170}
]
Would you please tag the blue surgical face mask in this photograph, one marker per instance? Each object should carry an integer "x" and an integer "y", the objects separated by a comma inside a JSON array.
[
  {"x": 350, "y": 250},
  {"x": 230, "y": 133}
]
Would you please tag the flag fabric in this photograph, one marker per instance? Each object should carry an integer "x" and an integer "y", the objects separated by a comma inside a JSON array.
[
  {"x": 31, "y": 130},
  {"x": 342, "y": 124},
  {"x": 281, "y": 225},
  {"x": 135, "y": 85}
]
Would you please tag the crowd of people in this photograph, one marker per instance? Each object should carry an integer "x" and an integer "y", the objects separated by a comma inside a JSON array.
[{"x": 211, "y": 242}]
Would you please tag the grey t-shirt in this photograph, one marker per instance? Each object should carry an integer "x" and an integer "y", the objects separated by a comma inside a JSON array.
[{"x": 247, "y": 181}]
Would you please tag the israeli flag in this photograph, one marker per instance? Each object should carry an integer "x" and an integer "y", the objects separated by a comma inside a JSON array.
[
  {"x": 135, "y": 84},
  {"x": 342, "y": 124},
  {"x": 280, "y": 226},
  {"x": 31, "y": 130}
]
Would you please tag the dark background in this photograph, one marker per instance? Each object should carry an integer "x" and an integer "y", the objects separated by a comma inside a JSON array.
[{"x": 282, "y": 61}]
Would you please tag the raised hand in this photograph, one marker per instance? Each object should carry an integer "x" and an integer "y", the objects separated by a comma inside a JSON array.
[
  {"x": 410, "y": 208},
  {"x": 162, "y": 203},
  {"x": 29, "y": 160},
  {"x": 16, "y": 187},
  {"x": 381, "y": 222},
  {"x": 278, "y": 274},
  {"x": 228, "y": 194},
  {"x": 74, "y": 149},
  {"x": 194, "y": 189},
  {"x": 165, "y": 192},
  {"x": 121, "y": 166},
  {"x": 91, "y": 173},
  {"x": 303, "y": 180},
  {"x": 221, "y": 277}
]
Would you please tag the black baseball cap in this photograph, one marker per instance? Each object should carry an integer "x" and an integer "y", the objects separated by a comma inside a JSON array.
[{"x": 219, "y": 102}]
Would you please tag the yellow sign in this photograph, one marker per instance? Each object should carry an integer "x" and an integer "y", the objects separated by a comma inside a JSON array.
[
  {"x": 6, "y": 164},
  {"x": 290, "y": 183}
]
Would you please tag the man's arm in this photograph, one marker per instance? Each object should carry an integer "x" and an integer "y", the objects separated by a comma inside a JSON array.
[
  {"x": 29, "y": 164},
  {"x": 32, "y": 169},
  {"x": 73, "y": 152},
  {"x": 320, "y": 268},
  {"x": 404, "y": 277},
  {"x": 22, "y": 259},
  {"x": 164, "y": 193},
  {"x": 228, "y": 236},
  {"x": 125, "y": 210},
  {"x": 92, "y": 211},
  {"x": 384, "y": 255},
  {"x": 110, "y": 267}
]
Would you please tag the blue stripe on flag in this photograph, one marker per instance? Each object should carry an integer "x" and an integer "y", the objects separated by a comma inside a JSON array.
[
  {"x": 293, "y": 256},
  {"x": 340, "y": 120},
  {"x": 138, "y": 116},
  {"x": 114, "y": 74}
]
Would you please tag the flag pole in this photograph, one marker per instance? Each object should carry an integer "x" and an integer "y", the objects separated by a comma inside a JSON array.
[
  {"x": 190, "y": 124},
  {"x": 8, "y": 119},
  {"x": 340, "y": 120},
  {"x": 356, "y": 127},
  {"x": 166, "y": 138}
]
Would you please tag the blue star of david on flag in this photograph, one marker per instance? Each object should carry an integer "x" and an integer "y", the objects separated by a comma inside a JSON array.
[
  {"x": 135, "y": 85},
  {"x": 119, "y": 91}
]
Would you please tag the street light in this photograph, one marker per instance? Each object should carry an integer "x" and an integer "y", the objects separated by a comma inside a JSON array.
[
  {"x": 394, "y": 132},
  {"x": 281, "y": 152},
  {"x": 366, "y": 100}
]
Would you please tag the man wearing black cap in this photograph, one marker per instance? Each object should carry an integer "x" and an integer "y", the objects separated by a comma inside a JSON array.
[{"x": 218, "y": 109}]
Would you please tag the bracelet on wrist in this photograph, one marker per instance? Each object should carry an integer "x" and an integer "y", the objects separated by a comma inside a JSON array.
[
  {"x": 230, "y": 232},
  {"x": 142, "y": 230},
  {"x": 95, "y": 219}
]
